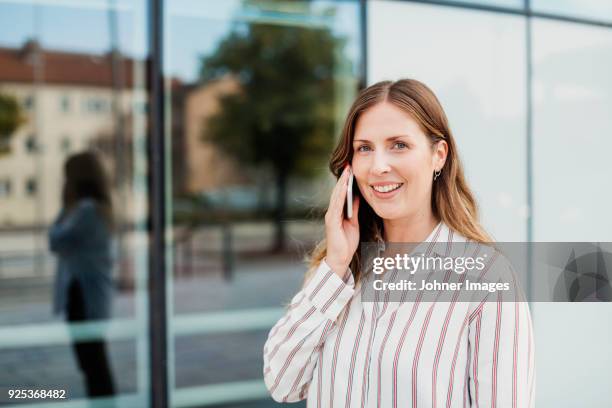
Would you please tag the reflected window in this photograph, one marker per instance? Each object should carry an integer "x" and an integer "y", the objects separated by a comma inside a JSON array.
[
  {"x": 28, "y": 102},
  {"x": 65, "y": 144},
  {"x": 31, "y": 186},
  {"x": 65, "y": 103},
  {"x": 5, "y": 188},
  {"x": 96, "y": 105},
  {"x": 31, "y": 144}
]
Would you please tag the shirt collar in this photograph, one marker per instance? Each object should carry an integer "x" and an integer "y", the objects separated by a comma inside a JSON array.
[{"x": 435, "y": 242}]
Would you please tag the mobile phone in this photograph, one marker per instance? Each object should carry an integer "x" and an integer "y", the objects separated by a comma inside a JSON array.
[{"x": 349, "y": 198}]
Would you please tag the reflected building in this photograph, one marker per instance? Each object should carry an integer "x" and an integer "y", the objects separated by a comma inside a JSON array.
[
  {"x": 206, "y": 167},
  {"x": 69, "y": 101}
]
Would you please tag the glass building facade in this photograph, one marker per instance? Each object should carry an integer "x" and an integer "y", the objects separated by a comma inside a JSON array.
[{"x": 208, "y": 127}]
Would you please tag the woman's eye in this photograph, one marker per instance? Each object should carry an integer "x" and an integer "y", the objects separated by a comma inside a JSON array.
[
  {"x": 363, "y": 148},
  {"x": 400, "y": 145}
]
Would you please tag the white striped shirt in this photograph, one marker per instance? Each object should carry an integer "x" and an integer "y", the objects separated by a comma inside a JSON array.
[{"x": 338, "y": 351}]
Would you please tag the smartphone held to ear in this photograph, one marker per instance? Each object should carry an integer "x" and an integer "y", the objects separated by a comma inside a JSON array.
[{"x": 349, "y": 198}]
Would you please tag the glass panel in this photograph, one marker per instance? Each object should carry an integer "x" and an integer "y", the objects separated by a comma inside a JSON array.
[
  {"x": 572, "y": 65},
  {"x": 515, "y": 4},
  {"x": 572, "y": 102},
  {"x": 475, "y": 63},
  {"x": 594, "y": 9},
  {"x": 258, "y": 93},
  {"x": 73, "y": 193}
]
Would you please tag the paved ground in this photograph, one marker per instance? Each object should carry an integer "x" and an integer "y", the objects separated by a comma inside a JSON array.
[{"x": 199, "y": 359}]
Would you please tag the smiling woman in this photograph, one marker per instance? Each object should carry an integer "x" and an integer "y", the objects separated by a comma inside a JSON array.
[
  {"x": 410, "y": 188},
  {"x": 407, "y": 167}
]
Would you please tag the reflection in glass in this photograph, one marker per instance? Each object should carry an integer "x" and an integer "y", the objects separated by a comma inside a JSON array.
[
  {"x": 72, "y": 79},
  {"x": 515, "y": 4},
  {"x": 600, "y": 10},
  {"x": 81, "y": 239},
  {"x": 256, "y": 104},
  {"x": 572, "y": 101}
]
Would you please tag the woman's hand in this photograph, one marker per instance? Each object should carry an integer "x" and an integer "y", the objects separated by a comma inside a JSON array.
[{"x": 342, "y": 235}]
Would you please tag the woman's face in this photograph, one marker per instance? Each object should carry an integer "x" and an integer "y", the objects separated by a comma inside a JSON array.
[{"x": 393, "y": 162}]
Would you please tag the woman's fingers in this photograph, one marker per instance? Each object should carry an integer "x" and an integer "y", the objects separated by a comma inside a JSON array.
[
  {"x": 342, "y": 187},
  {"x": 338, "y": 196},
  {"x": 340, "y": 232}
]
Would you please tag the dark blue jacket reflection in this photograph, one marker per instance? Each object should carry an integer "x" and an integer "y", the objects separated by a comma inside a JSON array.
[{"x": 82, "y": 241}]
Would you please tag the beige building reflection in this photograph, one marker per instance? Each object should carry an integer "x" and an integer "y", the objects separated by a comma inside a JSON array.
[
  {"x": 206, "y": 167},
  {"x": 70, "y": 102},
  {"x": 75, "y": 101}
]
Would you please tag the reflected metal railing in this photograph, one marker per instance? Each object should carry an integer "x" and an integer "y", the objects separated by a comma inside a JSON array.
[
  {"x": 31, "y": 335},
  {"x": 19, "y": 264}
]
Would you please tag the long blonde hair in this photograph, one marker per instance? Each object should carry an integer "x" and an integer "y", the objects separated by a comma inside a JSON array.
[{"x": 451, "y": 199}]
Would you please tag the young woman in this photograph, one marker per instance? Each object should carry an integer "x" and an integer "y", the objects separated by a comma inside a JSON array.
[
  {"x": 339, "y": 350},
  {"x": 81, "y": 239}
]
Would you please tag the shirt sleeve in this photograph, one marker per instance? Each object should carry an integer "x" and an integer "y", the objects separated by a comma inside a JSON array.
[
  {"x": 501, "y": 364},
  {"x": 294, "y": 343}
]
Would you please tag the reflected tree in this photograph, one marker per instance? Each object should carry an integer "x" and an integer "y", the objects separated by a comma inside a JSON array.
[
  {"x": 283, "y": 116},
  {"x": 11, "y": 118}
]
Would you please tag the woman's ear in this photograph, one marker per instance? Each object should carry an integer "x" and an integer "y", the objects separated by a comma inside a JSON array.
[{"x": 440, "y": 154}]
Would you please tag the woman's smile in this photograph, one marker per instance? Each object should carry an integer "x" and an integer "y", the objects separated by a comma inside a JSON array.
[{"x": 386, "y": 190}]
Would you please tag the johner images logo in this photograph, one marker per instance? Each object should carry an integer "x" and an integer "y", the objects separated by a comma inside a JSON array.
[{"x": 585, "y": 277}]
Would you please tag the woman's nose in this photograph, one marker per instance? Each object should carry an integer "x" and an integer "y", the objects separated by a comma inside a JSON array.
[{"x": 380, "y": 165}]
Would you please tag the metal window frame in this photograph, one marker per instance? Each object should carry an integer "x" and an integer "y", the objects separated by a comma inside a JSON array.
[
  {"x": 158, "y": 323},
  {"x": 525, "y": 10}
]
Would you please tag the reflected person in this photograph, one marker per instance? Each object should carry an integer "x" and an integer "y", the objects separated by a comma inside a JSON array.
[{"x": 81, "y": 239}]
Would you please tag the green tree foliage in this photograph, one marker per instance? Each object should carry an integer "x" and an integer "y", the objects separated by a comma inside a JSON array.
[
  {"x": 10, "y": 119},
  {"x": 283, "y": 116}
]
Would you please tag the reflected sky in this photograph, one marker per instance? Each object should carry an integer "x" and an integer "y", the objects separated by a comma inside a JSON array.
[
  {"x": 209, "y": 22},
  {"x": 193, "y": 28},
  {"x": 77, "y": 27},
  {"x": 82, "y": 26}
]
